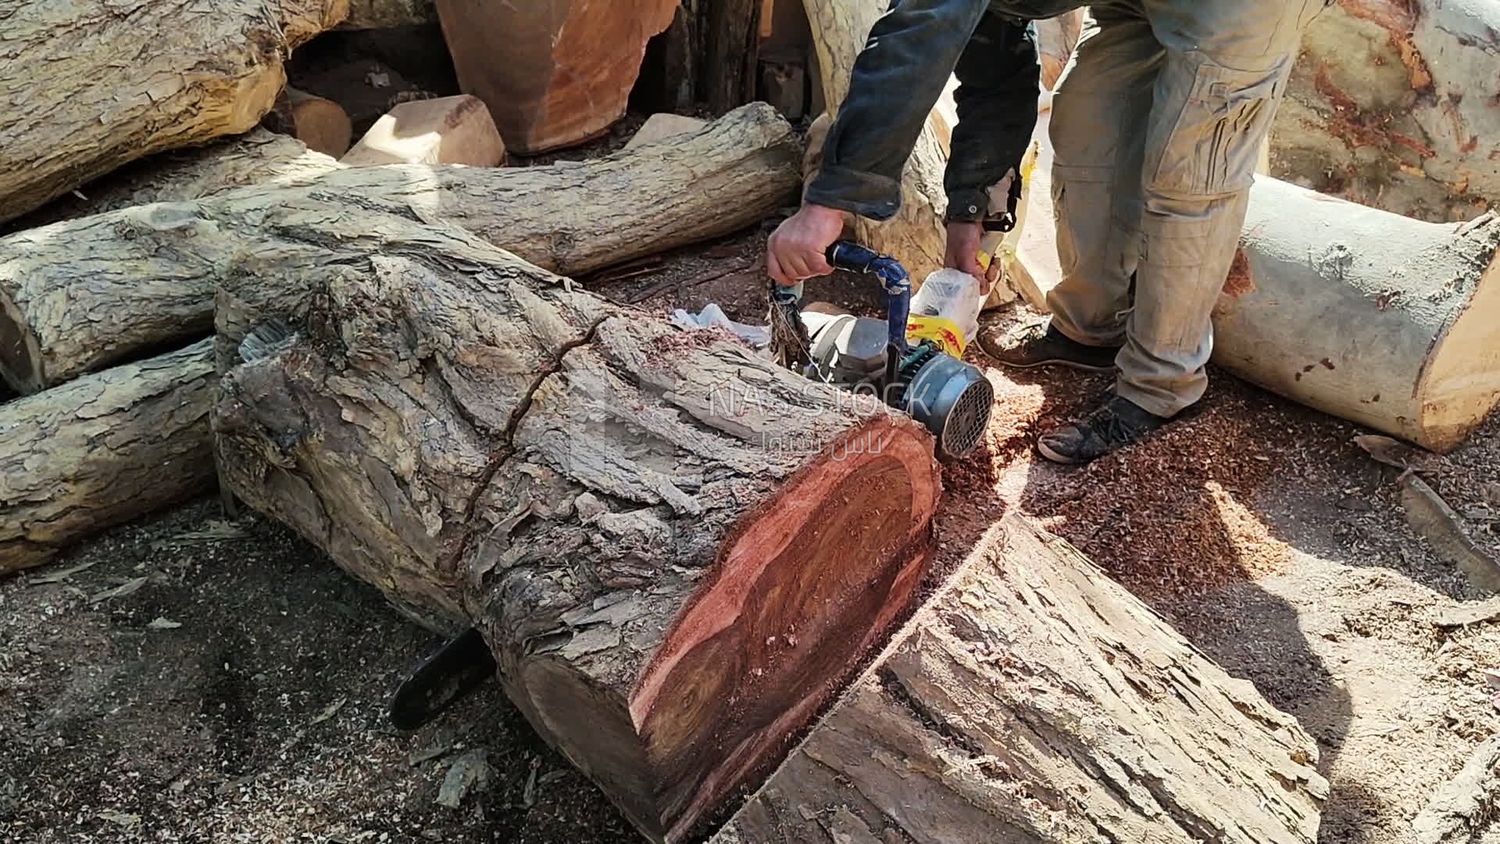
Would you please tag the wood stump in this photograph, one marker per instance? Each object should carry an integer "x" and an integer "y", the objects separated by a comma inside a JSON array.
[
  {"x": 148, "y": 276},
  {"x": 191, "y": 71},
  {"x": 677, "y": 551},
  {"x": 1035, "y": 701},
  {"x": 101, "y": 451}
]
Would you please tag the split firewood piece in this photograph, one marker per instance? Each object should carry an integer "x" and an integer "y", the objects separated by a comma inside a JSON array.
[
  {"x": 1462, "y": 809},
  {"x": 1035, "y": 701},
  {"x": 1383, "y": 109},
  {"x": 76, "y": 110},
  {"x": 1056, "y": 37},
  {"x": 149, "y": 274},
  {"x": 388, "y": 14},
  {"x": 1388, "y": 321},
  {"x": 262, "y": 158},
  {"x": 446, "y": 130},
  {"x": 102, "y": 450},
  {"x": 569, "y": 64},
  {"x": 659, "y": 127},
  {"x": 1434, "y": 520},
  {"x": 320, "y": 123},
  {"x": 677, "y": 551}
]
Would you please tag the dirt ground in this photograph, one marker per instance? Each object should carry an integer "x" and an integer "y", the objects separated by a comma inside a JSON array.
[{"x": 198, "y": 679}]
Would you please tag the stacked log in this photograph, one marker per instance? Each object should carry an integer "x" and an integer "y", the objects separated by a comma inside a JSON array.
[
  {"x": 1036, "y": 701},
  {"x": 260, "y": 158},
  {"x": 389, "y": 14},
  {"x": 677, "y": 551},
  {"x": 147, "y": 278},
  {"x": 569, "y": 64},
  {"x": 103, "y": 450},
  {"x": 195, "y": 72},
  {"x": 320, "y": 123},
  {"x": 1391, "y": 104}
]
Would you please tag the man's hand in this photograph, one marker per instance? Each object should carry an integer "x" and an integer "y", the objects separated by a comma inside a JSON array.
[
  {"x": 962, "y": 253},
  {"x": 798, "y": 249}
]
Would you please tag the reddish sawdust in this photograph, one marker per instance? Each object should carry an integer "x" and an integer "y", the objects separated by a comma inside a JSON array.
[{"x": 1174, "y": 515}]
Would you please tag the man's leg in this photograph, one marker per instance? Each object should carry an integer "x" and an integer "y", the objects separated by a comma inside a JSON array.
[
  {"x": 1213, "y": 102},
  {"x": 1097, "y": 131},
  {"x": 1225, "y": 73}
]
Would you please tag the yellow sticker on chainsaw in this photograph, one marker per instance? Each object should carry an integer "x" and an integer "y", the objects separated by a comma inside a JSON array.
[{"x": 940, "y": 330}]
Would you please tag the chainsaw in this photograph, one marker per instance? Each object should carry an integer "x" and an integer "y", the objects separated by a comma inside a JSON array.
[{"x": 949, "y": 397}]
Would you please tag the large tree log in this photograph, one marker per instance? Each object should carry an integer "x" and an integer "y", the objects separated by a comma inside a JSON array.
[
  {"x": 91, "y": 85},
  {"x": 1392, "y": 104},
  {"x": 677, "y": 551},
  {"x": 1035, "y": 701},
  {"x": 915, "y": 236},
  {"x": 1388, "y": 321},
  {"x": 101, "y": 451},
  {"x": 81, "y": 294},
  {"x": 569, "y": 64},
  {"x": 259, "y": 158}
]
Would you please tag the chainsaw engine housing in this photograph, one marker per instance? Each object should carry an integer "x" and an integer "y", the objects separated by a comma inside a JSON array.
[{"x": 948, "y": 396}]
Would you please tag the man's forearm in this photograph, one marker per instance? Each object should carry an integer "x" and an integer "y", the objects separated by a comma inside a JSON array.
[{"x": 896, "y": 81}]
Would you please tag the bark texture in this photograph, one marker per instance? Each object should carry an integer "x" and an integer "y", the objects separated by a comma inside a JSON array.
[
  {"x": 1392, "y": 104},
  {"x": 148, "y": 274},
  {"x": 259, "y": 158},
  {"x": 915, "y": 236},
  {"x": 569, "y": 64},
  {"x": 677, "y": 551},
  {"x": 94, "y": 84},
  {"x": 101, "y": 451},
  {"x": 1035, "y": 700},
  {"x": 386, "y": 14},
  {"x": 1390, "y": 322}
]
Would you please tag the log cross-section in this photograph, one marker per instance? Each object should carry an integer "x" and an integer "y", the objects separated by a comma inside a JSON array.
[{"x": 677, "y": 551}]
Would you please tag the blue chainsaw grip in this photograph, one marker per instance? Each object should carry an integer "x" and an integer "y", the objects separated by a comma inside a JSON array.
[{"x": 893, "y": 278}]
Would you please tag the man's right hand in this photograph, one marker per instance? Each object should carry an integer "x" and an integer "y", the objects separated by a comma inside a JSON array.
[{"x": 798, "y": 249}]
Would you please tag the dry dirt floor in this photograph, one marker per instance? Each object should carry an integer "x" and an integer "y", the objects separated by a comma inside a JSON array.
[{"x": 200, "y": 679}]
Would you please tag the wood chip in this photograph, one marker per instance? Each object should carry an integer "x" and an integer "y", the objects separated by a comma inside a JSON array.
[
  {"x": 129, "y": 587},
  {"x": 1431, "y": 517},
  {"x": 1467, "y": 614},
  {"x": 331, "y": 710},
  {"x": 469, "y": 770},
  {"x": 163, "y": 623},
  {"x": 61, "y": 575},
  {"x": 1392, "y": 452}
]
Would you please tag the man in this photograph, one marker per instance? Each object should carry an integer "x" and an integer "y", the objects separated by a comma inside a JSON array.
[{"x": 1156, "y": 127}]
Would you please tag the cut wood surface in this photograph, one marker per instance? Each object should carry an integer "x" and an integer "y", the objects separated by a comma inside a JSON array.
[
  {"x": 1387, "y": 321},
  {"x": 915, "y": 236},
  {"x": 258, "y": 158},
  {"x": 1036, "y": 701},
  {"x": 387, "y": 14},
  {"x": 445, "y": 130},
  {"x": 1392, "y": 104},
  {"x": 81, "y": 294},
  {"x": 677, "y": 551},
  {"x": 94, "y": 84},
  {"x": 320, "y": 123},
  {"x": 101, "y": 451},
  {"x": 569, "y": 64}
]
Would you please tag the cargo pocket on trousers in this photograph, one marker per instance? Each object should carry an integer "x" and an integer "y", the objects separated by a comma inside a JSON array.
[{"x": 1213, "y": 147}]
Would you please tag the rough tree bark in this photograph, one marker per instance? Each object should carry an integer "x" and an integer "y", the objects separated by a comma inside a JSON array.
[
  {"x": 387, "y": 14},
  {"x": 259, "y": 158},
  {"x": 91, "y": 85},
  {"x": 676, "y": 550},
  {"x": 1390, "y": 322},
  {"x": 569, "y": 64},
  {"x": 915, "y": 236},
  {"x": 148, "y": 276},
  {"x": 1392, "y": 104},
  {"x": 1036, "y": 701},
  {"x": 101, "y": 451}
]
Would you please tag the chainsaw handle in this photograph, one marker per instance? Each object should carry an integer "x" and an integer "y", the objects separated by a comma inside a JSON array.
[{"x": 893, "y": 278}]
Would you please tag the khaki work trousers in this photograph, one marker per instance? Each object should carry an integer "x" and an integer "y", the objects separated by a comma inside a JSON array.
[{"x": 1157, "y": 125}]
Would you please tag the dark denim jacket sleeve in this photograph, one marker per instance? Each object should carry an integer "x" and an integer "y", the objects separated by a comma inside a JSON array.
[{"x": 897, "y": 79}]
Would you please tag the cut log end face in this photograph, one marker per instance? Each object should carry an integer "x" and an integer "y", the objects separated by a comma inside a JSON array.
[{"x": 797, "y": 600}]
